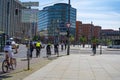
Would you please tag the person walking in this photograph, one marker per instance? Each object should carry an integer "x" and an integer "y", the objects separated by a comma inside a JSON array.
[
  {"x": 31, "y": 49},
  {"x": 65, "y": 45},
  {"x": 62, "y": 44},
  {"x": 56, "y": 51},
  {"x": 94, "y": 49}
]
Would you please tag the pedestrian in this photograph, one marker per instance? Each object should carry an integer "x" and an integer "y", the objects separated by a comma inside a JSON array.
[
  {"x": 65, "y": 45},
  {"x": 31, "y": 49},
  {"x": 94, "y": 49},
  {"x": 56, "y": 47},
  {"x": 48, "y": 49},
  {"x": 62, "y": 44},
  {"x": 38, "y": 48}
]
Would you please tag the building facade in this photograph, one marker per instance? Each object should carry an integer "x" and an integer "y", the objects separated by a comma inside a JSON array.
[
  {"x": 10, "y": 19},
  {"x": 87, "y": 30},
  {"x": 78, "y": 30},
  {"x": 54, "y": 19},
  {"x": 111, "y": 35}
]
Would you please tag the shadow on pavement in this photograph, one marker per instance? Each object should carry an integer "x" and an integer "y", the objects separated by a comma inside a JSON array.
[
  {"x": 52, "y": 57},
  {"x": 4, "y": 75},
  {"x": 24, "y": 59}
]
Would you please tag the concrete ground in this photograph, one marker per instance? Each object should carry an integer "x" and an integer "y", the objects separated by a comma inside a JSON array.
[{"x": 80, "y": 65}]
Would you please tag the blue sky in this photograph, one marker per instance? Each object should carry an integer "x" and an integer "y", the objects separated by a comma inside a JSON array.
[{"x": 105, "y": 13}]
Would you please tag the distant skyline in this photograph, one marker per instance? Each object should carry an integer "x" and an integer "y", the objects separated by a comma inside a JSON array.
[{"x": 104, "y": 13}]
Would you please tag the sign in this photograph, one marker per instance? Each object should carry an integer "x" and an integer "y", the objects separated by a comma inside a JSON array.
[
  {"x": 68, "y": 25},
  {"x": 30, "y": 15},
  {"x": 63, "y": 33},
  {"x": 29, "y": 4}
]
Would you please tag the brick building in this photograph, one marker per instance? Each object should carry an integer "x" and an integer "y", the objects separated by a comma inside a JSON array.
[{"x": 87, "y": 30}]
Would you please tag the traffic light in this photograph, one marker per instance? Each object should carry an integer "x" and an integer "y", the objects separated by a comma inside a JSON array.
[{"x": 68, "y": 33}]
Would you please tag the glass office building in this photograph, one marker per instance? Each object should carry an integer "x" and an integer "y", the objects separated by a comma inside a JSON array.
[{"x": 53, "y": 19}]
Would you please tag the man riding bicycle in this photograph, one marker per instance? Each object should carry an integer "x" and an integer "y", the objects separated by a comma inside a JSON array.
[{"x": 8, "y": 52}]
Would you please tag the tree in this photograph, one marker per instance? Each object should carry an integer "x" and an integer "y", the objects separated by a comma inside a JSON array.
[
  {"x": 35, "y": 38},
  {"x": 95, "y": 40},
  {"x": 72, "y": 38},
  {"x": 109, "y": 42},
  {"x": 83, "y": 40}
]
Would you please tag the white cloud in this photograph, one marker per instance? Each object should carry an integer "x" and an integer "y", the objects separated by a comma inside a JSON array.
[
  {"x": 105, "y": 20},
  {"x": 101, "y": 14},
  {"x": 105, "y": 15}
]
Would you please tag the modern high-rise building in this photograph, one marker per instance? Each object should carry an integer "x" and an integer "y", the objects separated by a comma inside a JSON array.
[{"x": 53, "y": 19}]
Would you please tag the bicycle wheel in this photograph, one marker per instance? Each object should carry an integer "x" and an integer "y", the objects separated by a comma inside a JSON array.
[
  {"x": 5, "y": 66},
  {"x": 14, "y": 64}
]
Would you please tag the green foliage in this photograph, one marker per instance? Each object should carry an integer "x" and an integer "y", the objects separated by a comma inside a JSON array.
[
  {"x": 95, "y": 40},
  {"x": 35, "y": 38},
  {"x": 109, "y": 42},
  {"x": 72, "y": 38},
  {"x": 83, "y": 39}
]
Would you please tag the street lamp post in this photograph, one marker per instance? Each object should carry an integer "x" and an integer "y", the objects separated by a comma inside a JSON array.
[
  {"x": 8, "y": 15},
  {"x": 53, "y": 24},
  {"x": 68, "y": 49},
  {"x": 100, "y": 42},
  {"x": 119, "y": 33},
  {"x": 91, "y": 33},
  {"x": 28, "y": 54},
  {"x": 57, "y": 31}
]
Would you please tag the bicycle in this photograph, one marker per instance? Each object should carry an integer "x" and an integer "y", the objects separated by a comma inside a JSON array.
[{"x": 6, "y": 65}]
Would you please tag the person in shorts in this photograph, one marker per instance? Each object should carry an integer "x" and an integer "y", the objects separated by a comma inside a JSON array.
[{"x": 8, "y": 52}]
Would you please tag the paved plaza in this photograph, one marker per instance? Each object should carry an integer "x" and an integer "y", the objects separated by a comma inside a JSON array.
[{"x": 80, "y": 65}]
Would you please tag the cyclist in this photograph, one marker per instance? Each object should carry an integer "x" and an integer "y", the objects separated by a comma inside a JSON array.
[
  {"x": 14, "y": 47},
  {"x": 8, "y": 52},
  {"x": 38, "y": 48},
  {"x": 48, "y": 49}
]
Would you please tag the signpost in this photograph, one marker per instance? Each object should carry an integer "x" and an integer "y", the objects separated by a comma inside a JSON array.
[
  {"x": 68, "y": 25},
  {"x": 30, "y": 16},
  {"x": 63, "y": 33},
  {"x": 29, "y": 4}
]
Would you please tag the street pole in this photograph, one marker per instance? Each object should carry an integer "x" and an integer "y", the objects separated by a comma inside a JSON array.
[
  {"x": 100, "y": 42},
  {"x": 53, "y": 24},
  {"x": 68, "y": 49},
  {"x": 91, "y": 32},
  {"x": 57, "y": 31},
  {"x": 119, "y": 33},
  {"x": 30, "y": 36},
  {"x": 8, "y": 14}
]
